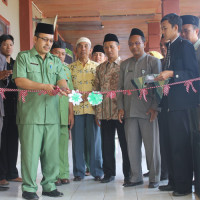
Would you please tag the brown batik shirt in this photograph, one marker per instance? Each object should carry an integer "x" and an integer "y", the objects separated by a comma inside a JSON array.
[{"x": 107, "y": 77}]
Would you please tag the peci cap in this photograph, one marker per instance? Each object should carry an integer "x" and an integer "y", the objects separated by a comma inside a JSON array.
[
  {"x": 98, "y": 48},
  {"x": 110, "y": 37},
  {"x": 83, "y": 39},
  {"x": 190, "y": 19},
  {"x": 44, "y": 28},
  {"x": 136, "y": 31}
]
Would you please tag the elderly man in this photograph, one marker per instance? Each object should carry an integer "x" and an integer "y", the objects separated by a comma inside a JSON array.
[
  {"x": 107, "y": 77},
  {"x": 4, "y": 74},
  {"x": 181, "y": 65},
  {"x": 83, "y": 73},
  {"x": 66, "y": 117},
  {"x": 190, "y": 31},
  {"x": 98, "y": 54},
  {"x": 140, "y": 117},
  {"x": 9, "y": 148},
  {"x": 38, "y": 118}
]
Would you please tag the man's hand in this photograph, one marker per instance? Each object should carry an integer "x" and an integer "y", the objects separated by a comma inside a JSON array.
[
  {"x": 71, "y": 120},
  {"x": 164, "y": 75},
  {"x": 49, "y": 89},
  {"x": 71, "y": 116},
  {"x": 65, "y": 91},
  {"x": 98, "y": 122},
  {"x": 153, "y": 114},
  {"x": 121, "y": 115},
  {"x": 5, "y": 74}
]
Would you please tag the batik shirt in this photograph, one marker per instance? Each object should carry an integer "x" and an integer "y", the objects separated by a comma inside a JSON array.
[{"x": 107, "y": 77}]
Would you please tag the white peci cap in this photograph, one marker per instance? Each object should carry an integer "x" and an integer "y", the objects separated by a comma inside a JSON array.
[{"x": 83, "y": 39}]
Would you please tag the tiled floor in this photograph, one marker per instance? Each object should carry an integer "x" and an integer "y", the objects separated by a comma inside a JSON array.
[{"x": 88, "y": 189}]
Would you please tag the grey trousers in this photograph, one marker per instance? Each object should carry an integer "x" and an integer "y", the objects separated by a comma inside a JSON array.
[{"x": 138, "y": 130}]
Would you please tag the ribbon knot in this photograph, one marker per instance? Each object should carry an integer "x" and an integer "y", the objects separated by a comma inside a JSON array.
[
  {"x": 111, "y": 94},
  {"x": 2, "y": 90},
  {"x": 143, "y": 93},
  {"x": 22, "y": 95},
  {"x": 166, "y": 90},
  {"x": 188, "y": 83}
]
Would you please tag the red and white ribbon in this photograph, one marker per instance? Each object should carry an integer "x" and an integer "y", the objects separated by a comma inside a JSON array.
[
  {"x": 143, "y": 93},
  {"x": 188, "y": 83}
]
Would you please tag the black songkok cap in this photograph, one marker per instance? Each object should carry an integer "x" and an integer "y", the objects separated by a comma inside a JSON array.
[
  {"x": 110, "y": 37},
  {"x": 58, "y": 44},
  {"x": 44, "y": 28},
  {"x": 136, "y": 31},
  {"x": 190, "y": 19},
  {"x": 98, "y": 48}
]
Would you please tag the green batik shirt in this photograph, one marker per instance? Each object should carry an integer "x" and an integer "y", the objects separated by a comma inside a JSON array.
[
  {"x": 64, "y": 101},
  {"x": 38, "y": 109}
]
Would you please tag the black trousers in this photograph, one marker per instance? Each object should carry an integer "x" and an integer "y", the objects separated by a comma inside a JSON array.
[
  {"x": 179, "y": 150},
  {"x": 195, "y": 130},
  {"x": 108, "y": 128},
  {"x": 163, "y": 154},
  {"x": 9, "y": 148}
]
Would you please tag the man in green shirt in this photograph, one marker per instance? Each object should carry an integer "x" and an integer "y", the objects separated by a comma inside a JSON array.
[
  {"x": 66, "y": 117},
  {"x": 38, "y": 118}
]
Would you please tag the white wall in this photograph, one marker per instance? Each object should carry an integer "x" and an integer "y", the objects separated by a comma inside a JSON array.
[{"x": 11, "y": 13}]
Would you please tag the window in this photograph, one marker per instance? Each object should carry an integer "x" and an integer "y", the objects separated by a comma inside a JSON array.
[{"x": 4, "y": 26}]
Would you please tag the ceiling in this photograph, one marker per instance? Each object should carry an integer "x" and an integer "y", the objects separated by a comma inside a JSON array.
[{"x": 95, "y": 18}]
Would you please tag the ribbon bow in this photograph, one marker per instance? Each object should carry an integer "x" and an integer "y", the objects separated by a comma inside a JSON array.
[
  {"x": 22, "y": 95},
  {"x": 2, "y": 93},
  {"x": 166, "y": 90},
  {"x": 188, "y": 84},
  {"x": 143, "y": 93}
]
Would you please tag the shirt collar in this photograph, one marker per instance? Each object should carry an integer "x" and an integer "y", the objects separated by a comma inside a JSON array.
[
  {"x": 140, "y": 58},
  {"x": 117, "y": 61},
  {"x": 88, "y": 62},
  {"x": 197, "y": 44},
  {"x": 174, "y": 40},
  {"x": 34, "y": 52}
]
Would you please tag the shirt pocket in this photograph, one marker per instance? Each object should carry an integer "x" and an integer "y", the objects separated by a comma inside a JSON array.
[
  {"x": 34, "y": 73},
  {"x": 52, "y": 76}
]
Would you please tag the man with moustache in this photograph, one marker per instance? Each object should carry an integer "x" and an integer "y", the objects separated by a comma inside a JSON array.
[
  {"x": 38, "y": 117},
  {"x": 9, "y": 147},
  {"x": 107, "y": 78},
  {"x": 181, "y": 65},
  {"x": 190, "y": 31},
  {"x": 83, "y": 73},
  {"x": 140, "y": 117}
]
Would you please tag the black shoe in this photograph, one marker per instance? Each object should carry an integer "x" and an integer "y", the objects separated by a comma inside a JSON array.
[
  {"x": 30, "y": 195},
  {"x": 146, "y": 174},
  {"x": 126, "y": 180},
  {"x": 54, "y": 193},
  {"x": 3, "y": 188},
  {"x": 107, "y": 179},
  {"x": 166, "y": 188},
  {"x": 77, "y": 178},
  {"x": 131, "y": 184},
  {"x": 97, "y": 178},
  {"x": 177, "y": 194},
  {"x": 153, "y": 184}
]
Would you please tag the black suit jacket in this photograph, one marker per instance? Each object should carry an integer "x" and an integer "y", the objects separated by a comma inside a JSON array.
[{"x": 184, "y": 64}]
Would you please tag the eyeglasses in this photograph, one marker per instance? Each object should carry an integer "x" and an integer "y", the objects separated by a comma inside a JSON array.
[
  {"x": 130, "y": 44},
  {"x": 46, "y": 39}
]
